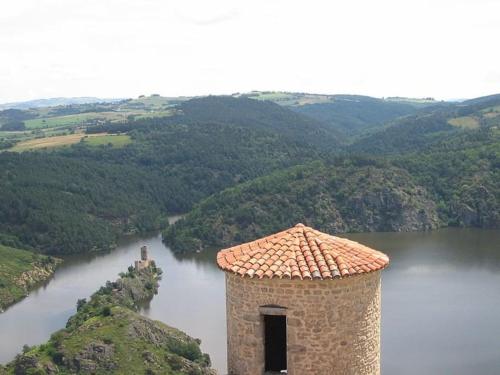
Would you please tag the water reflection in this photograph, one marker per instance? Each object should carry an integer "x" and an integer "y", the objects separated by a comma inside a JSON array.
[{"x": 440, "y": 299}]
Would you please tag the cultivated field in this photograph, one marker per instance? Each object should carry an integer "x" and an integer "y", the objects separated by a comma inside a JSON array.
[
  {"x": 90, "y": 118},
  {"x": 466, "y": 122},
  {"x": 66, "y": 140},
  {"x": 116, "y": 141}
]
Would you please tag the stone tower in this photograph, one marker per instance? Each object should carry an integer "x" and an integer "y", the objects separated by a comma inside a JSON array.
[
  {"x": 144, "y": 253},
  {"x": 145, "y": 261},
  {"x": 302, "y": 302}
]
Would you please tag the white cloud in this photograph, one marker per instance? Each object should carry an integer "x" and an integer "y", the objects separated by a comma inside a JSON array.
[{"x": 117, "y": 48}]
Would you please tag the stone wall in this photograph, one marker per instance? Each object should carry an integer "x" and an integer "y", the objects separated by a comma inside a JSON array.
[{"x": 333, "y": 326}]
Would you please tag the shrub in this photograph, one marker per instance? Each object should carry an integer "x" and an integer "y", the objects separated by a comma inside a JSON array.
[{"x": 106, "y": 311}]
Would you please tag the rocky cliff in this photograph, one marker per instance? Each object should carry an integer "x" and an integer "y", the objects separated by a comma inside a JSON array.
[{"x": 20, "y": 271}]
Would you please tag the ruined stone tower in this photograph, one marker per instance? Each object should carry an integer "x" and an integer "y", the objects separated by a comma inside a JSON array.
[
  {"x": 144, "y": 253},
  {"x": 303, "y": 302},
  {"x": 145, "y": 261}
]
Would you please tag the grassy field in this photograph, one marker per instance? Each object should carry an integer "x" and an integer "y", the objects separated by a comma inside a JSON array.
[
  {"x": 66, "y": 140},
  {"x": 291, "y": 99},
  {"x": 466, "y": 122},
  {"x": 88, "y": 118},
  {"x": 52, "y": 122},
  {"x": 47, "y": 142},
  {"x": 116, "y": 141},
  {"x": 491, "y": 112},
  {"x": 153, "y": 102},
  {"x": 13, "y": 263}
]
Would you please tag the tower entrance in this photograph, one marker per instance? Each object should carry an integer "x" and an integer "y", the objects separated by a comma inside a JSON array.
[{"x": 275, "y": 343}]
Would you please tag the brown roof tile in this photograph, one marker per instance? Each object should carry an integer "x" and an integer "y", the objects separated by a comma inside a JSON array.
[{"x": 301, "y": 253}]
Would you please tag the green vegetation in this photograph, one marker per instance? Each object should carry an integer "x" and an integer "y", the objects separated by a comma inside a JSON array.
[
  {"x": 111, "y": 140},
  {"x": 467, "y": 122},
  {"x": 406, "y": 135},
  {"x": 451, "y": 175},
  {"x": 29, "y": 124},
  {"x": 52, "y": 122},
  {"x": 108, "y": 336},
  {"x": 13, "y": 126},
  {"x": 429, "y": 128},
  {"x": 350, "y": 195},
  {"x": 55, "y": 141},
  {"x": 263, "y": 115},
  {"x": 352, "y": 115},
  {"x": 50, "y": 200},
  {"x": 19, "y": 271},
  {"x": 47, "y": 142},
  {"x": 463, "y": 174},
  {"x": 165, "y": 165}
]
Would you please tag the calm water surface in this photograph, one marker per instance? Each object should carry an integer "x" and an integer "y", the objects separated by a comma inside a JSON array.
[{"x": 440, "y": 300}]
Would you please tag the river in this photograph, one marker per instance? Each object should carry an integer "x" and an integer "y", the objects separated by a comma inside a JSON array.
[{"x": 440, "y": 299}]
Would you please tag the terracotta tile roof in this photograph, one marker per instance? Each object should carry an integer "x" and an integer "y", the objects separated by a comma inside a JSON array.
[{"x": 301, "y": 253}]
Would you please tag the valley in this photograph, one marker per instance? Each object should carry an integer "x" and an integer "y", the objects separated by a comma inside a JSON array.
[
  {"x": 77, "y": 181},
  {"x": 127, "y": 176}
]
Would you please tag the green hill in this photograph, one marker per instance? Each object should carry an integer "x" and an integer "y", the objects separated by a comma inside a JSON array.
[
  {"x": 108, "y": 336},
  {"x": 349, "y": 115},
  {"x": 258, "y": 114},
  {"x": 20, "y": 270},
  {"x": 352, "y": 195},
  {"x": 458, "y": 171},
  {"x": 430, "y": 128},
  {"x": 352, "y": 115},
  {"x": 463, "y": 174},
  {"x": 48, "y": 200}
]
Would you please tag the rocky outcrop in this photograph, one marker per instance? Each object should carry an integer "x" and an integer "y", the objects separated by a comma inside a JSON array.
[
  {"x": 390, "y": 209},
  {"x": 39, "y": 273},
  {"x": 95, "y": 356},
  {"x": 476, "y": 206},
  {"x": 20, "y": 286},
  {"x": 108, "y": 336}
]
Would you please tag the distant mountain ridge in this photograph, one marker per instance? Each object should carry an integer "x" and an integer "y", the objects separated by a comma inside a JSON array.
[
  {"x": 429, "y": 127},
  {"x": 54, "y": 102}
]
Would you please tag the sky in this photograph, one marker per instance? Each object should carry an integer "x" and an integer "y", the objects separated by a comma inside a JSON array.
[{"x": 447, "y": 49}]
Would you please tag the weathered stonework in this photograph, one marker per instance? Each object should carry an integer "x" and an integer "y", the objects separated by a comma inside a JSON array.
[
  {"x": 145, "y": 261},
  {"x": 333, "y": 326}
]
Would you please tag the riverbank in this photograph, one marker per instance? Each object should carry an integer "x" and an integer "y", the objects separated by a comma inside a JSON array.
[
  {"x": 23, "y": 271},
  {"x": 20, "y": 272},
  {"x": 107, "y": 335}
]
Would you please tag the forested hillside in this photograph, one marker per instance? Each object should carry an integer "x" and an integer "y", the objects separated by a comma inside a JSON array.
[
  {"x": 61, "y": 205},
  {"x": 351, "y": 115},
  {"x": 463, "y": 173},
  {"x": 80, "y": 198},
  {"x": 451, "y": 154},
  {"x": 261, "y": 115},
  {"x": 350, "y": 195},
  {"x": 431, "y": 127}
]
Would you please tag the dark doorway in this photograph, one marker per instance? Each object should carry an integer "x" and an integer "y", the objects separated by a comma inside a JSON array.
[{"x": 275, "y": 342}]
